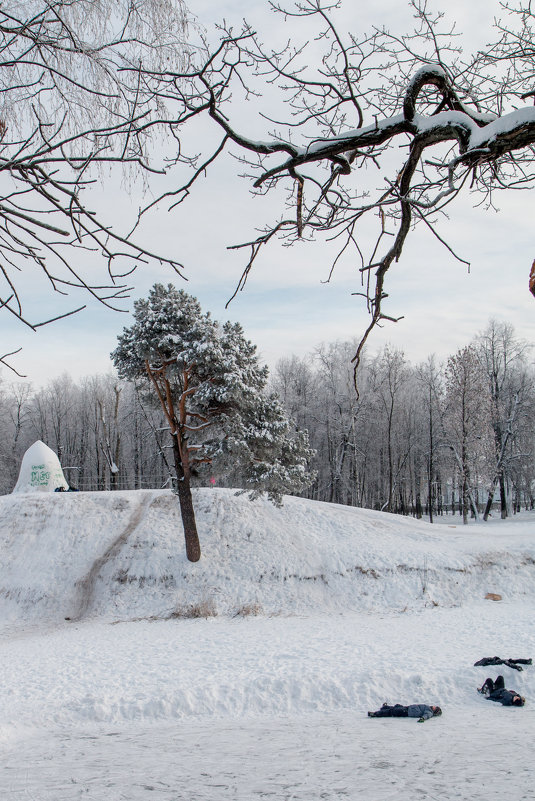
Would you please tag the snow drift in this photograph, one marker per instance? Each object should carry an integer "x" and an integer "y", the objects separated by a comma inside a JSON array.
[{"x": 120, "y": 555}]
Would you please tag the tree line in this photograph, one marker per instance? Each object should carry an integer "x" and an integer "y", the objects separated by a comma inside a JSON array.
[{"x": 423, "y": 439}]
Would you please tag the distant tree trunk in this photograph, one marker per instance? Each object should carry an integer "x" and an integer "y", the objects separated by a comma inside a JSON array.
[
  {"x": 503, "y": 497},
  {"x": 137, "y": 444},
  {"x": 464, "y": 492},
  {"x": 500, "y": 479},
  {"x": 490, "y": 499},
  {"x": 430, "y": 463},
  {"x": 418, "y": 504},
  {"x": 111, "y": 451},
  {"x": 438, "y": 494}
]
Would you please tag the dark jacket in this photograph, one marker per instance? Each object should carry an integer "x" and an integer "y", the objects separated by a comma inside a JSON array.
[{"x": 504, "y": 697}]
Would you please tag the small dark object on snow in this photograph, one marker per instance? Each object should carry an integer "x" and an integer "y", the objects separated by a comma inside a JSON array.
[
  {"x": 495, "y": 691},
  {"x": 495, "y": 660}
]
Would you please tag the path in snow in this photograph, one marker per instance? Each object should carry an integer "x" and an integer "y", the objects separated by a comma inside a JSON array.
[{"x": 85, "y": 586}]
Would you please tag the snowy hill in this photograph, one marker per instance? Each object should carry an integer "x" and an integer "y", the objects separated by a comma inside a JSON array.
[
  {"x": 120, "y": 555},
  {"x": 320, "y": 613}
]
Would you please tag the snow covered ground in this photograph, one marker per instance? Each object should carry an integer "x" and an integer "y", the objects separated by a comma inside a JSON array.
[{"x": 317, "y": 613}]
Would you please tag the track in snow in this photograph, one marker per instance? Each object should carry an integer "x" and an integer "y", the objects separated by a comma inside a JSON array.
[{"x": 86, "y": 585}]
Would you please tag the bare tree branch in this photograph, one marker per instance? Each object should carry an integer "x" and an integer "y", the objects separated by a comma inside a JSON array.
[
  {"x": 71, "y": 104},
  {"x": 361, "y": 102}
]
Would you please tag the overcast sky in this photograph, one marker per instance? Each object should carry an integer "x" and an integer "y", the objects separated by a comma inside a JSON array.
[{"x": 287, "y": 306}]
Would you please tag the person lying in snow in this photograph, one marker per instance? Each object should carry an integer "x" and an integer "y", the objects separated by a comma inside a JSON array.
[
  {"x": 516, "y": 664},
  {"x": 420, "y": 711},
  {"x": 495, "y": 691}
]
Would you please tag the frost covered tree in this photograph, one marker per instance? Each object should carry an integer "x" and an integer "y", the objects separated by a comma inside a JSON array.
[
  {"x": 390, "y": 377},
  {"x": 73, "y": 105},
  {"x": 430, "y": 387},
  {"x": 466, "y": 418},
  {"x": 207, "y": 378},
  {"x": 503, "y": 359}
]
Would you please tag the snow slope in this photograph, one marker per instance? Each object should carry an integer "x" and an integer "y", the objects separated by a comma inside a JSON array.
[
  {"x": 317, "y": 613},
  {"x": 121, "y": 555}
]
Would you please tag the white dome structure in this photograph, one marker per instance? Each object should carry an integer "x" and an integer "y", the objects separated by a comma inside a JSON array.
[{"x": 40, "y": 470}]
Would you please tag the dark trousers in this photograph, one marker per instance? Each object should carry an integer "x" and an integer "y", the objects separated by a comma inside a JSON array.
[
  {"x": 396, "y": 711},
  {"x": 490, "y": 685}
]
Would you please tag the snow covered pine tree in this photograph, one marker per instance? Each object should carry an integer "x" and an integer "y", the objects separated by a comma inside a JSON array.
[{"x": 211, "y": 388}]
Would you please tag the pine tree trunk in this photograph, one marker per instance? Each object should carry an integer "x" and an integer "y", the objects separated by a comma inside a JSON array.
[
  {"x": 183, "y": 490},
  {"x": 193, "y": 547}
]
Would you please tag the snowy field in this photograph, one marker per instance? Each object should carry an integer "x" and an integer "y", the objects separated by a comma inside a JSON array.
[{"x": 132, "y": 699}]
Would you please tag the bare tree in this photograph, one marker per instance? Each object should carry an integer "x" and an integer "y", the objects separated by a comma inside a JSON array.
[
  {"x": 502, "y": 357},
  {"x": 391, "y": 375},
  {"x": 411, "y": 106},
  {"x": 430, "y": 382},
  {"x": 111, "y": 436},
  {"x": 467, "y": 418},
  {"x": 336, "y": 415},
  {"x": 73, "y": 103}
]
